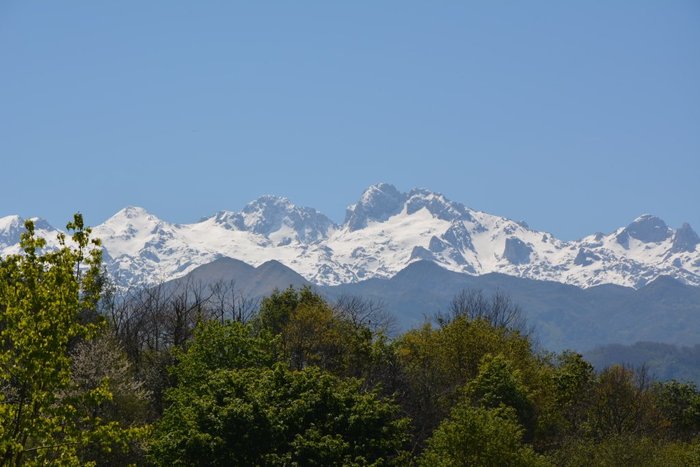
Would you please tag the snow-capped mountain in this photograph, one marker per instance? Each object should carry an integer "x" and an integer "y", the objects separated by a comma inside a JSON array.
[
  {"x": 382, "y": 233},
  {"x": 11, "y": 228}
]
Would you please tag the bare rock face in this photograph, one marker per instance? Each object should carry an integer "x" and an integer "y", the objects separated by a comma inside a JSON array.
[
  {"x": 269, "y": 214},
  {"x": 459, "y": 237},
  {"x": 378, "y": 203},
  {"x": 419, "y": 252},
  {"x": 516, "y": 251},
  {"x": 439, "y": 206},
  {"x": 647, "y": 229},
  {"x": 685, "y": 239},
  {"x": 585, "y": 257}
]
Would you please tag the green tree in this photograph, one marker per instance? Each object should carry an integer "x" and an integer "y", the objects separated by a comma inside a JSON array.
[
  {"x": 623, "y": 404},
  {"x": 438, "y": 361},
  {"x": 276, "y": 416},
  {"x": 626, "y": 450},
  {"x": 479, "y": 436},
  {"x": 277, "y": 309},
  {"x": 563, "y": 401},
  {"x": 228, "y": 346},
  {"x": 312, "y": 332},
  {"x": 498, "y": 384},
  {"x": 233, "y": 405},
  {"x": 99, "y": 363},
  {"x": 574, "y": 383},
  {"x": 679, "y": 404},
  {"x": 45, "y": 297}
]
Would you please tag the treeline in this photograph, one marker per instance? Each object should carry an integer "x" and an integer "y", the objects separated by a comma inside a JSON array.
[
  {"x": 664, "y": 361},
  {"x": 201, "y": 375}
]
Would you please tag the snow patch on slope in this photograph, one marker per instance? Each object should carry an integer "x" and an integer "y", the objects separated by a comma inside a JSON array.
[{"x": 384, "y": 232}]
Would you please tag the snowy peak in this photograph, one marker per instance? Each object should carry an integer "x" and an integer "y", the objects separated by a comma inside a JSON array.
[
  {"x": 126, "y": 222},
  {"x": 131, "y": 231},
  {"x": 277, "y": 217},
  {"x": 41, "y": 225},
  {"x": 380, "y": 202},
  {"x": 377, "y": 203},
  {"x": 384, "y": 232},
  {"x": 132, "y": 212},
  {"x": 11, "y": 228},
  {"x": 228, "y": 220},
  {"x": 647, "y": 229},
  {"x": 436, "y": 204}
]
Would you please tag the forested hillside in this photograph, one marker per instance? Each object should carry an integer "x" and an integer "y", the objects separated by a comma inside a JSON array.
[
  {"x": 201, "y": 375},
  {"x": 664, "y": 361}
]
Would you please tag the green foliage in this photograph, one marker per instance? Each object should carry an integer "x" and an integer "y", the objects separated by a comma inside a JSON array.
[
  {"x": 564, "y": 400},
  {"x": 311, "y": 332},
  {"x": 574, "y": 384},
  {"x": 623, "y": 405},
  {"x": 217, "y": 346},
  {"x": 275, "y": 416},
  {"x": 312, "y": 336},
  {"x": 679, "y": 404},
  {"x": 626, "y": 451},
  {"x": 479, "y": 436},
  {"x": 277, "y": 309},
  {"x": 498, "y": 385},
  {"x": 234, "y": 406},
  {"x": 437, "y": 362},
  {"x": 305, "y": 383},
  {"x": 44, "y": 296},
  {"x": 478, "y": 394}
]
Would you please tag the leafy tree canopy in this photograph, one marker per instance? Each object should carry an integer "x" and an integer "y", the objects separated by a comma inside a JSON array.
[
  {"x": 276, "y": 416},
  {"x": 45, "y": 297},
  {"x": 479, "y": 436}
]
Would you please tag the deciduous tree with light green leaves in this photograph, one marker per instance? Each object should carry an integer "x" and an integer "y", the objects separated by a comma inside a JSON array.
[
  {"x": 480, "y": 436},
  {"x": 45, "y": 296}
]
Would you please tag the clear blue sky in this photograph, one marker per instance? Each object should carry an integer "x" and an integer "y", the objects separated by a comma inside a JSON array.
[{"x": 574, "y": 116}]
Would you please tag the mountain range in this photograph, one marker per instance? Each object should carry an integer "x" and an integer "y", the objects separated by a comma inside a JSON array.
[
  {"x": 383, "y": 232},
  {"x": 562, "y": 316}
]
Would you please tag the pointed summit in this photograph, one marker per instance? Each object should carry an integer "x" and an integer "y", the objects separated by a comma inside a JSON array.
[
  {"x": 646, "y": 228},
  {"x": 378, "y": 203},
  {"x": 133, "y": 211},
  {"x": 269, "y": 203},
  {"x": 130, "y": 213},
  {"x": 685, "y": 239},
  {"x": 10, "y": 222},
  {"x": 269, "y": 214},
  {"x": 11, "y": 228},
  {"x": 128, "y": 223},
  {"x": 381, "y": 201},
  {"x": 385, "y": 230},
  {"x": 229, "y": 220},
  {"x": 436, "y": 204}
]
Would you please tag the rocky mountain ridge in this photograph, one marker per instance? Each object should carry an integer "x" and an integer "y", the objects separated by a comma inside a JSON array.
[{"x": 383, "y": 232}]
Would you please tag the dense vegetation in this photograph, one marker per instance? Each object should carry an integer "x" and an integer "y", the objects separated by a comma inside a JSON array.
[{"x": 203, "y": 376}]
